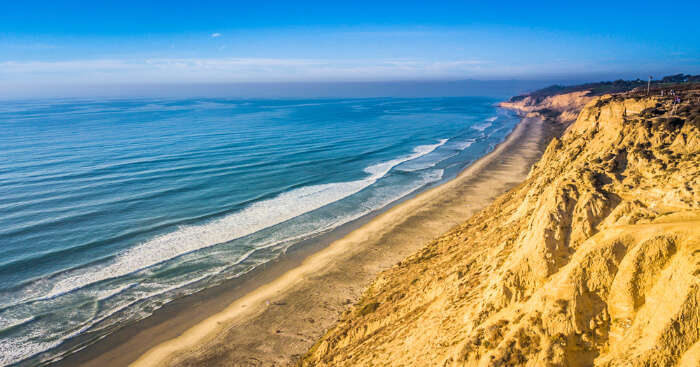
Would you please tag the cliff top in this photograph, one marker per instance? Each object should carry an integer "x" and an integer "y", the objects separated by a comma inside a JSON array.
[{"x": 679, "y": 81}]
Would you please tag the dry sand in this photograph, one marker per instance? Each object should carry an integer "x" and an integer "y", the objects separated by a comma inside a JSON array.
[{"x": 276, "y": 321}]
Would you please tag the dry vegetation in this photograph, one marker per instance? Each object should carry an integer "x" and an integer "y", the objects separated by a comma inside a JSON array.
[{"x": 593, "y": 260}]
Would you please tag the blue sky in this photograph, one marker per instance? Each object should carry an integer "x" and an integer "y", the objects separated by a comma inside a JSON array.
[{"x": 121, "y": 42}]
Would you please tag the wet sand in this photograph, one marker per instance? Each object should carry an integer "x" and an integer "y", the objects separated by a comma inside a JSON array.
[{"x": 274, "y": 315}]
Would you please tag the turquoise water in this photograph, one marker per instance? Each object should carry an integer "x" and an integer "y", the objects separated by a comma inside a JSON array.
[{"x": 111, "y": 208}]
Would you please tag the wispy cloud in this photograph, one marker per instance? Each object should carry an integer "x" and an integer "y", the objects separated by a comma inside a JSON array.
[
  {"x": 215, "y": 35},
  {"x": 232, "y": 70}
]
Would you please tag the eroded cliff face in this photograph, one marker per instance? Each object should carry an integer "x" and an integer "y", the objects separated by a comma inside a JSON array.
[
  {"x": 563, "y": 108},
  {"x": 593, "y": 260}
]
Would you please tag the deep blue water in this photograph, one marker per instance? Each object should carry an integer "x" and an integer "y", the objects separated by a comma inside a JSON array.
[{"x": 111, "y": 208}]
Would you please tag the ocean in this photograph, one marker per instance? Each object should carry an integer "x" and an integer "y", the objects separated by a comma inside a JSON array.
[{"x": 110, "y": 209}]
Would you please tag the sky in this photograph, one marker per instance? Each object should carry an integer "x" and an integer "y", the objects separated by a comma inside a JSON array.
[{"x": 86, "y": 45}]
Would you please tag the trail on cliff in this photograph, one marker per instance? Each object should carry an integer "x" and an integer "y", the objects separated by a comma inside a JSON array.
[{"x": 593, "y": 260}]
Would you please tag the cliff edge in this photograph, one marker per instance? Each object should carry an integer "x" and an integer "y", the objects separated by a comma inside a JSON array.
[
  {"x": 593, "y": 260},
  {"x": 562, "y": 108}
]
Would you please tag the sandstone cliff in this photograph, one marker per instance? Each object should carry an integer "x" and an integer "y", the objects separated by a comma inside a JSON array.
[
  {"x": 563, "y": 108},
  {"x": 593, "y": 260}
]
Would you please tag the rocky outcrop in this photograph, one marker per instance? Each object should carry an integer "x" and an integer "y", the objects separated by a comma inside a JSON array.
[
  {"x": 593, "y": 260},
  {"x": 563, "y": 108}
]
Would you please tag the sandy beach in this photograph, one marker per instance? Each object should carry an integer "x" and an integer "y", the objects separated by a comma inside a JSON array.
[
  {"x": 274, "y": 315},
  {"x": 349, "y": 184}
]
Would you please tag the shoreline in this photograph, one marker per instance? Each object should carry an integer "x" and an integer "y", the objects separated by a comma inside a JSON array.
[{"x": 281, "y": 307}]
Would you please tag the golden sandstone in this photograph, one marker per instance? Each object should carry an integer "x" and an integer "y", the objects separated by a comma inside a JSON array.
[{"x": 593, "y": 260}]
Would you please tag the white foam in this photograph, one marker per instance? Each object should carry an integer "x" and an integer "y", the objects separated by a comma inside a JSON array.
[
  {"x": 8, "y": 323},
  {"x": 249, "y": 220},
  {"x": 13, "y": 350},
  {"x": 481, "y": 127},
  {"x": 462, "y": 145},
  {"x": 104, "y": 294}
]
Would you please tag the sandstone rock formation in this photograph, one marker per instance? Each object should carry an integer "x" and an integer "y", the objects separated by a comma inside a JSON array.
[
  {"x": 593, "y": 260},
  {"x": 563, "y": 108}
]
